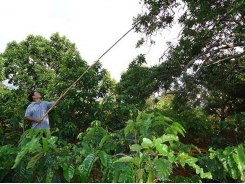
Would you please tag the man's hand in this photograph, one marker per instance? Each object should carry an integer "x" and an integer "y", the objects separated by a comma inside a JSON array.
[
  {"x": 28, "y": 118},
  {"x": 39, "y": 120}
]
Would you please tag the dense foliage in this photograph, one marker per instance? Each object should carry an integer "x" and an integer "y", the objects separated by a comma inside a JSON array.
[
  {"x": 38, "y": 158},
  {"x": 51, "y": 66},
  {"x": 104, "y": 131},
  {"x": 206, "y": 66}
]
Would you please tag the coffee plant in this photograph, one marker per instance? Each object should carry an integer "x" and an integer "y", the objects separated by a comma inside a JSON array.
[{"x": 148, "y": 150}]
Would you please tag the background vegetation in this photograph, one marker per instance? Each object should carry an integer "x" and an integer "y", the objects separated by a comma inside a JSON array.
[{"x": 104, "y": 131}]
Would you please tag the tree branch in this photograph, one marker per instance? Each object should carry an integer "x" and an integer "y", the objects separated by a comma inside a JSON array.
[{"x": 228, "y": 58}]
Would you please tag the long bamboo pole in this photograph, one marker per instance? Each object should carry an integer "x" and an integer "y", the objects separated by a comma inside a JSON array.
[
  {"x": 73, "y": 84},
  {"x": 56, "y": 102}
]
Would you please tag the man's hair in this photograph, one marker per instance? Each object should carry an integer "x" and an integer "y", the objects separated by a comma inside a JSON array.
[{"x": 30, "y": 96}]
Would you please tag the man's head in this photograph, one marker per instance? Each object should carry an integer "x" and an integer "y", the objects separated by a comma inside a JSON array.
[{"x": 33, "y": 96}]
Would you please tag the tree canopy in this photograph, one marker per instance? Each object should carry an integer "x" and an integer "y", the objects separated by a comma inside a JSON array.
[
  {"x": 104, "y": 131},
  {"x": 207, "y": 62},
  {"x": 50, "y": 67}
]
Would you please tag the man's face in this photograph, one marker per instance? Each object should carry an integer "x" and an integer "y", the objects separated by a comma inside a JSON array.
[{"x": 36, "y": 96}]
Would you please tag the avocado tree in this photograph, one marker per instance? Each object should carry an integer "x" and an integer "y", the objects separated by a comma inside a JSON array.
[
  {"x": 136, "y": 83},
  {"x": 50, "y": 66}
]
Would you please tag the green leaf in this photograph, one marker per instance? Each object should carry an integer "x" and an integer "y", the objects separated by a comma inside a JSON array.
[
  {"x": 182, "y": 157},
  {"x": 139, "y": 175},
  {"x": 29, "y": 146},
  {"x": 24, "y": 135},
  {"x": 69, "y": 172},
  {"x": 191, "y": 161},
  {"x": 150, "y": 177},
  {"x": 129, "y": 128},
  {"x": 127, "y": 174},
  {"x": 68, "y": 169},
  {"x": 234, "y": 173},
  {"x": 50, "y": 176},
  {"x": 240, "y": 158},
  {"x": 104, "y": 139},
  {"x": 85, "y": 168},
  {"x": 171, "y": 156},
  {"x": 207, "y": 175},
  {"x": 47, "y": 133},
  {"x": 53, "y": 140},
  {"x": 177, "y": 128},
  {"x": 243, "y": 177},
  {"x": 137, "y": 161},
  {"x": 116, "y": 177},
  {"x": 105, "y": 159},
  {"x": 139, "y": 116},
  {"x": 45, "y": 145},
  {"x": 228, "y": 150},
  {"x": 163, "y": 168},
  {"x": 124, "y": 159},
  {"x": 34, "y": 160},
  {"x": 169, "y": 137},
  {"x": 135, "y": 147},
  {"x": 147, "y": 143},
  {"x": 167, "y": 119},
  {"x": 20, "y": 171},
  {"x": 162, "y": 149}
]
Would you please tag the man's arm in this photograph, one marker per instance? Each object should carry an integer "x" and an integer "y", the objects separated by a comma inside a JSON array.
[{"x": 29, "y": 118}]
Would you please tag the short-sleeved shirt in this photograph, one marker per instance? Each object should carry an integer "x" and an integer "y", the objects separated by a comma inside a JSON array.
[{"x": 37, "y": 110}]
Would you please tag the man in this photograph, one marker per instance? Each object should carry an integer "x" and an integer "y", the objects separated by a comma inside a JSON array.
[{"x": 35, "y": 111}]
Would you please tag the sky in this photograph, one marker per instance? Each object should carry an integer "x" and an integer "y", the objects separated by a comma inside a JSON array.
[{"x": 93, "y": 25}]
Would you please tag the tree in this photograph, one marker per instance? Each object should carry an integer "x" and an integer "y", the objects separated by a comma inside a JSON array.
[
  {"x": 51, "y": 66},
  {"x": 210, "y": 53},
  {"x": 1, "y": 69},
  {"x": 135, "y": 85}
]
